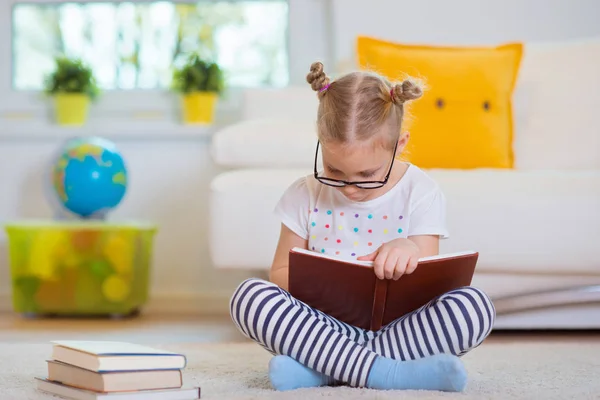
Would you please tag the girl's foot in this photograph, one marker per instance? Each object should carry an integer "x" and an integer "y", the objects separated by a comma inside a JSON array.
[
  {"x": 442, "y": 372},
  {"x": 288, "y": 374}
]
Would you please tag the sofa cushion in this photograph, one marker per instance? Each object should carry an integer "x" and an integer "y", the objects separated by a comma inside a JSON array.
[
  {"x": 243, "y": 228},
  {"x": 557, "y": 99},
  {"x": 518, "y": 220},
  {"x": 266, "y": 142},
  {"x": 464, "y": 119},
  {"x": 525, "y": 221}
]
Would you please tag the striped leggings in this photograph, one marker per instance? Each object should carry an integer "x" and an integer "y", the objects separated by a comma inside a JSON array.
[{"x": 453, "y": 323}]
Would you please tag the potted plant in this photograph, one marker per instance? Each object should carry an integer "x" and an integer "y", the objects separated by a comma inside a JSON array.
[
  {"x": 200, "y": 83},
  {"x": 72, "y": 84}
]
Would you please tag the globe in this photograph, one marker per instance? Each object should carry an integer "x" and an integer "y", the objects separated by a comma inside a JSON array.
[{"x": 89, "y": 177}]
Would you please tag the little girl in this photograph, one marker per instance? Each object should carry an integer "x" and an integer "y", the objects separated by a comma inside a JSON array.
[{"x": 363, "y": 205}]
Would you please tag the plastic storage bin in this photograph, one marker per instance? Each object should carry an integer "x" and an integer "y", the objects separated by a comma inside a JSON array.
[{"x": 79, "y": 268}]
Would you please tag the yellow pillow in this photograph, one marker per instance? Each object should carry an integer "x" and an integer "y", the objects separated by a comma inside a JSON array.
[{"x": 464, "y": 120}]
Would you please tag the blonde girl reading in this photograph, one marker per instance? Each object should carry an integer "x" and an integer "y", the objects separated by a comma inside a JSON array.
[{"x": 364, "y": 204}]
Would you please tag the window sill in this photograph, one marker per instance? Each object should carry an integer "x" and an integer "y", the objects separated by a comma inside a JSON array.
[{"x": 38, "y": 129}]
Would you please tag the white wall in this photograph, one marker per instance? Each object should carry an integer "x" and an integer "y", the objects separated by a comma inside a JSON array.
[{"x": 460, "y": 22}]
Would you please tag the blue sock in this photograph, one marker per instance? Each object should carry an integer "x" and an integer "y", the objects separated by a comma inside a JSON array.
[
  {"x": 442, "y": 372},
  {"x": 288, "y": 374}
]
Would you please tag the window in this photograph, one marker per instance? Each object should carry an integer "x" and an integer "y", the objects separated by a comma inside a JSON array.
[
  {"x": 134, "y": 45},
  {"x": 259, "y": 43}
]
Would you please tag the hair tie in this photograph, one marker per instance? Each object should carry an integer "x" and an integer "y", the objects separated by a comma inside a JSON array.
[
  {"x": 392, "y": 95},
  {"x": 324, "y": 88}
]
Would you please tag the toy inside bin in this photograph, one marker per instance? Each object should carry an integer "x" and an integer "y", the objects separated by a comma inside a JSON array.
[{"x": 80, "y": 268}]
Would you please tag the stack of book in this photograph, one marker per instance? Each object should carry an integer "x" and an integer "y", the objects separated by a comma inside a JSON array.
[{"x": 93, "y": 370}]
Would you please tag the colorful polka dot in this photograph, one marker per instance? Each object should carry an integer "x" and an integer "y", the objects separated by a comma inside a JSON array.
[
  {"x": 370, "y": 231},
  {"x": 313, "y": 248},
  {"x": 355, "y": 229},
  {"x": 314, "y": 223},
  {"x": 339, "y": 240},
  {"x": 340, "y": 227},
  {"x": 399, "y": 230},
  {"x": 370, "y": 243},
  {"x": 342, "y": 213},
  {"x": 328, "y": 212},
  {"x": 400, "y": 217},
  {"x": 326, "y": 225},
  {"x": 337, "y": 252},
  {"x": 316, "y": 210},
  {"x": 313, "y": 237},
  {"x": 385, "y": 217},
  {"x": 322, "y": 250},
  {"x": 356, "y": 243},
  {"x": 385, "y": 231},
  {"x": 370, "y": 216},
  {"x": 353, "y": 254},
  {"x": 355, "y": 215}
]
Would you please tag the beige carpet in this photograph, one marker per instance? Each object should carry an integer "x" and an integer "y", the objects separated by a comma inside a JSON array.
[{"x": 525, "y": 370}]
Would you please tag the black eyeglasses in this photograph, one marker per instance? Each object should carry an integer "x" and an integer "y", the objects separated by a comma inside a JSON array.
[{"x": 359, "y": 184}]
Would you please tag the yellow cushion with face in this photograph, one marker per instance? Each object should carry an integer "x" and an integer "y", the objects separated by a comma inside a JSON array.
[{"x": 464, "y": 119}]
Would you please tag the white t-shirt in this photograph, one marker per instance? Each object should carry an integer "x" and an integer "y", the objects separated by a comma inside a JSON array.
[{"x": 340, "y": 227}]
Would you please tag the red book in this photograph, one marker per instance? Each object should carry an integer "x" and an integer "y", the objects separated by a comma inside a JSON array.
[{"x": 349, "y": 290}]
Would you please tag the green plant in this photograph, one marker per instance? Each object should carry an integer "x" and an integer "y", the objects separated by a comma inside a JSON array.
[
  {"x": 71, "y": 76},
  {"x": 198, "y": 75}
]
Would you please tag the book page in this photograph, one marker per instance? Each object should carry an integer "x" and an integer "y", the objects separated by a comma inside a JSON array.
[
  {"x": 448, "y": 255},
  {"x": 110, "y": 348},
  {"x": 315, "y": 254},
  {"x": 370, "y": 263}
]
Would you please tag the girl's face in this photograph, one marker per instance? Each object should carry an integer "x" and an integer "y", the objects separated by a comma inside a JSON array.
[{"x": 360, "y": 161}]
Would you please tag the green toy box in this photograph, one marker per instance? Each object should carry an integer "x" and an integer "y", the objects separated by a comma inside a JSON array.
[{"x": 79, "y": 268}]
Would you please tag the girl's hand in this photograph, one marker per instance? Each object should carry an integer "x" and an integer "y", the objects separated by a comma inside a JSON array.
[{"x": 394, "y": 259}]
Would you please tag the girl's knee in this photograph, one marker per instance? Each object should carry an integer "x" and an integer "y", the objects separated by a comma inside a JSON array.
[
  {"x": 476, "y": 302},
  {"x": 246, "y": 292},
  {"x": 251, "y": 305},
  {"x": 252, "y": 282}
]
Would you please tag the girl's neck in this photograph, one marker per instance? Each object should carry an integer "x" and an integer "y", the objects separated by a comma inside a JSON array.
[{"x": 398, "y": 171}]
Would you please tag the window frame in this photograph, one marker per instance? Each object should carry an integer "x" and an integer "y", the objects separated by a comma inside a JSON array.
[{"x": 306, "y": 39}]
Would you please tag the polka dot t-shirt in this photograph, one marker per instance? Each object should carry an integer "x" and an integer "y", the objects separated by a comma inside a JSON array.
[{"x": 340, "y": 227}]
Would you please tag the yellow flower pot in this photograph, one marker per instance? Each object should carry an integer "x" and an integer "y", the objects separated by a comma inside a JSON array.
[
  {"x": 71, "y": 108},
  {"x": 199, "y": 107}
]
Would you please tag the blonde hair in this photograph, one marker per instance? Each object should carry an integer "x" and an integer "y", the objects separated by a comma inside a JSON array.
[{"x": 359, "y": 105}]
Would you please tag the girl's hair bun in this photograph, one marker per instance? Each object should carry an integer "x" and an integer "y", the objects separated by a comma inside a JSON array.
[
  {"x": 406, "y": 91},
  {"x": 317, "y": 78}
]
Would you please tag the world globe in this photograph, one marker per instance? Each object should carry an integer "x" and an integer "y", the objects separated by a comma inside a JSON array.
[{"x": 89, "y": 177}]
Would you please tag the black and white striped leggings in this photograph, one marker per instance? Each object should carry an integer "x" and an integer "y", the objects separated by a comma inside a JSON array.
[{"x": 453, "y": 323}]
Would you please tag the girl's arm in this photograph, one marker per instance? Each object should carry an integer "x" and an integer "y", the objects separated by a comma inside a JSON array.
[
  {"x": 429, "y": 245},
  {"x": 279, "y": 269}
]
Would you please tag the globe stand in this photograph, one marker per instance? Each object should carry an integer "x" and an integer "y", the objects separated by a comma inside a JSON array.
[
  {"x": 79, "y": 260},
  {"x": 132, "y": 314},
  {"x": 112, "y": 316}
]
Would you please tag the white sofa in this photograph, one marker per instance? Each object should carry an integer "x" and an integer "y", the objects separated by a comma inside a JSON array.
[{"x": 537, "y": 227}]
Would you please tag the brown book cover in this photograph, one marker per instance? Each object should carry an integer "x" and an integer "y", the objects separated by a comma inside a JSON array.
[{"x": 349, "y": 290}]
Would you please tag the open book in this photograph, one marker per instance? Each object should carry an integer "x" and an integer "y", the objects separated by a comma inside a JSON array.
[{"x": 349, "y": 290}]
